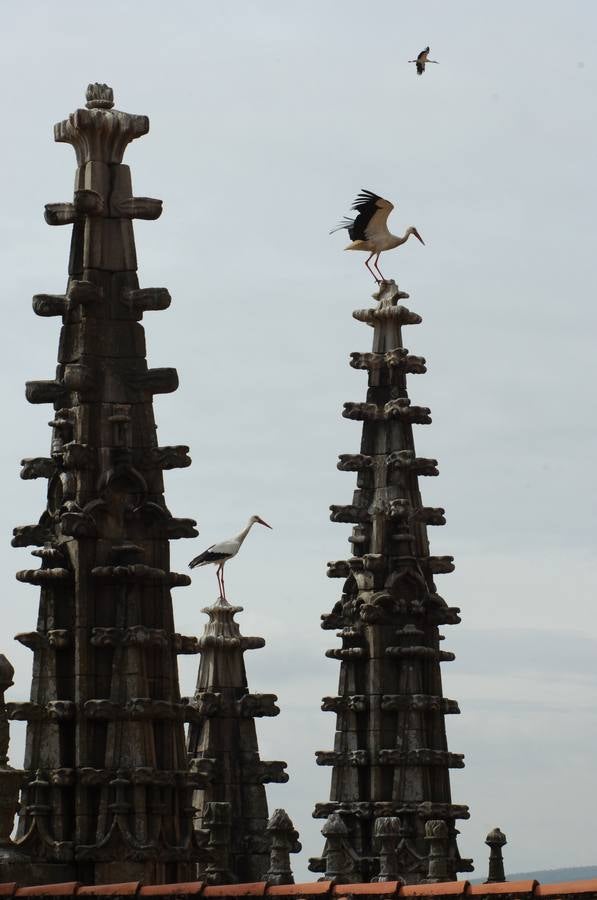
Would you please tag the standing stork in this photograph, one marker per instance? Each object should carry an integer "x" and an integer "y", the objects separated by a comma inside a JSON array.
[
  {"x": 219, "y": 554},
  {"x": 422, "y": 59},
  {"x": 369, "y": 230}
]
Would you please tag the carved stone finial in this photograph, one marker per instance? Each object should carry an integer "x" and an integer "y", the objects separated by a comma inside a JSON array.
[
  {"x": 10, "y": 779},
  {"x": 495, "y": 840},
  {"x": 340, "y": 858},
  {"x": 99, "y": 96},
  {"x": 217, "y": 820},
  {"x": 436, "y": 832},
  {"x": 387, "y": 830},
  {"x": 283, "y": 841},
  {"x": 6, "y": 676}
]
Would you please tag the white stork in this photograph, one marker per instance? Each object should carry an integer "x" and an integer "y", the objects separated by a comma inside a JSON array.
[
  {"x": 422, "y": 59},
  {"x": 219, "y": 554},
  {"x": 369, "y": 231}
]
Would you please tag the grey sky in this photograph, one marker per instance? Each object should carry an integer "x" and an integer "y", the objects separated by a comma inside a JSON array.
[{"x": 266, "y": 118}]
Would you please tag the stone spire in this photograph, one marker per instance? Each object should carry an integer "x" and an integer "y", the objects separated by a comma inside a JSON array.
[
  {"x": 223, "y": 730},
  {"x": 108, "y": 793},
  {"x": 390, "y": 755}
]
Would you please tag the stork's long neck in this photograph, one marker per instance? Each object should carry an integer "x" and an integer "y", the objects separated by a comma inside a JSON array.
[
  {"x": 242, "y": 534},
  {"x": 397, "y": 241}
]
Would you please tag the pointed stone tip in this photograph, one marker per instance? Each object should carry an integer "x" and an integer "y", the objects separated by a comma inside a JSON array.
[
  {"x": 334, "y": 825},
  {"x": 99, "y": 96},
  {"x": 280, "y": 820}
]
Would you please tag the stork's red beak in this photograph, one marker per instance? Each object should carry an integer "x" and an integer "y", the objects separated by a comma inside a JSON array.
[
  {"x": 417, "y": 235},
  {"x": 261, "y": 522}
]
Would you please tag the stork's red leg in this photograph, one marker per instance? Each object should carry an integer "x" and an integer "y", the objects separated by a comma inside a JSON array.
[
  {"x": 369, "y": 267},
  {"x": 223, "y": 586},
  {"x": 377, "y": 267},
  {"x": 219, "y": 576}
]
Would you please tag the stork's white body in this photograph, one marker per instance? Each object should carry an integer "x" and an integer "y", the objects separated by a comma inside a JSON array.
[{"x": 379, "y": 242}]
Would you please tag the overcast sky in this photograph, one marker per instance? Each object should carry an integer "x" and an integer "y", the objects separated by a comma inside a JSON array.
[{"x": 267, "y": 117}]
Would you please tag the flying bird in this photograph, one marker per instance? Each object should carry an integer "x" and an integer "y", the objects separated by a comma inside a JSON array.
[
  {"x": 219, "y": 554},
  {"x": 369, "y": 231},
  {"x": 422, "y": 59}
]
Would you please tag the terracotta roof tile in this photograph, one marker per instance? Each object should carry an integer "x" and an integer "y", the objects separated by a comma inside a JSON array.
[
  {"x": 517, "y": 889},
  {"x": 309, "y": 889},
  {"x": 375, "y": 888},
  {"x": 66, "y": 889},
  {"x": 440, "y": 889},
  {"x": 188, "y": 888},
  {"x": 236, "y": 890},
  {"x": 587, "y": 886},
  {"x": 126, "y": 889},
  {"x": 503, "y": 887}
]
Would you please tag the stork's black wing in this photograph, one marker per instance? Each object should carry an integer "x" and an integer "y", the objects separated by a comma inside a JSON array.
[
  {"x": 208, "y": 556},
  {"x": 373, "y": 212}
]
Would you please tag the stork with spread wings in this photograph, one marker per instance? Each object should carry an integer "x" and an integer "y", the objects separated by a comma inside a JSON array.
[
  {"x": 369, "y": 230},
  {"x": 422, "y": 60}
]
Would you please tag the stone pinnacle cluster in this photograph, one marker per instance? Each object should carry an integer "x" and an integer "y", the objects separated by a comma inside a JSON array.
[{"x": 112, "y": 788}]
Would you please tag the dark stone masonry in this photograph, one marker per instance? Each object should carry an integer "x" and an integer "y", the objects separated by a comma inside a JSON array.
[
  {"x": 107, "y": 793},
  {"x": 390, "y": 761}
]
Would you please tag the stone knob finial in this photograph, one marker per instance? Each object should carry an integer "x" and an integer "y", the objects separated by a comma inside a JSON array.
[
  {"x": 496, "y": 838},
  {"x": 6, "y": 673},
  {"x": 388, "y": 830},
  {"x": 99, "y": 96}
]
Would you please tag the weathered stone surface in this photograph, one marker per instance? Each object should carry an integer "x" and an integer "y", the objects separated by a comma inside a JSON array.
[
  {"x": 222, "y": 728},
  {"x": 60, "y": 213},
  {"x": 390, "y": 743},
  {"x": 37, "y": 467},
  {"x": 170, "y": 457},
  {"x": 48, "y": 305},
  {"x": 398, "y": 357},
  {"x": 46, "y": 392},
  {"x": 341, "y": 860},
  {"x": 105, "y": 722}
]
